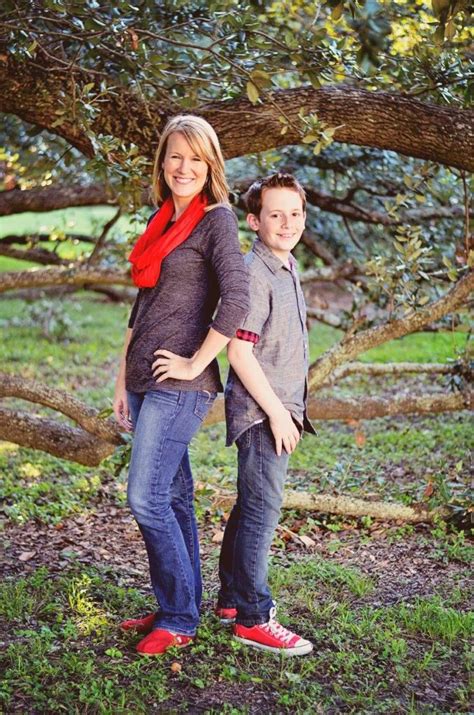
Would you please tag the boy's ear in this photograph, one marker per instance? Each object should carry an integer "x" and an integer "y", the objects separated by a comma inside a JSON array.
[{"x": 253, "y": 222}]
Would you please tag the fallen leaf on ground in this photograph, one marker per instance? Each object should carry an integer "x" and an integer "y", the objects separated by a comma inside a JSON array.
[{"x": 26, "y": 555}]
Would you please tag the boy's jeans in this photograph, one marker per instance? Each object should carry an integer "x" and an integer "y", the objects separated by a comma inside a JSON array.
[
  {"x": 243, "y": 564},
  {"x": 160, "y": 495}
]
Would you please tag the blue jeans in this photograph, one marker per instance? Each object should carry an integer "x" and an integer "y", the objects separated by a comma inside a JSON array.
[
  {"x": 161, "y": 494},
  {"x": 243, "y": 564}
]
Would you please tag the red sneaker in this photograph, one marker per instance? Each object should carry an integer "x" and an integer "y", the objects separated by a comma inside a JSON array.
[
  {"x": 159, "y": 640},
  {"x": 225, "y": 615},
  {"x": 140, "y": 625},
  {"x": 272, "y": 636}
]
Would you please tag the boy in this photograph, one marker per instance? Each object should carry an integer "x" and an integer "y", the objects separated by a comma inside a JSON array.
[{"x": 265, "y": 411}]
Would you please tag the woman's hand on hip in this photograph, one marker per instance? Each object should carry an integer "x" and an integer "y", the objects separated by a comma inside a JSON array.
[{"x": 169, "y": 364}]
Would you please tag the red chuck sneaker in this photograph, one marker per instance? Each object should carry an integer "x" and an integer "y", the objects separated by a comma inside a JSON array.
[
  {"x": 159, "y": 640},
  {"x": 140, "y": 625},
  {"x": 272, "y": 636},
  {"x": 225, "y": 615}
]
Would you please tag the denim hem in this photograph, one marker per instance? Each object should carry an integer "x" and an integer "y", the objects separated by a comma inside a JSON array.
[
  {"x": 249, "y": 622},
  {"x": 170, "y": 627}
]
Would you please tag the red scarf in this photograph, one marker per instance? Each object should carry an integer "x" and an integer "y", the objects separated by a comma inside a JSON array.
[{"x": 156, "y": 243}]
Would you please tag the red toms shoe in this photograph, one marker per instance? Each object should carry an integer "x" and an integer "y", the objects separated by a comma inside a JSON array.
[
  {"x": 159, "y": 641},
  {"x": 140, "y": 625},
  {"x": 272, "y": 636},
  {"x": 225, "y": 615}
]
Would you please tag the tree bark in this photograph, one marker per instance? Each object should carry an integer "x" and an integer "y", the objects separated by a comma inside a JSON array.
[
  {"x": 49, "y": 436},
  {"x": 61, "y": 401},
  {"x": 34, "y": 255},
  {"x": 382, "y": 120},
  {"x": 51, "y": 198},
  {"x": 391, "y": 368},
  {"x": 74, "y": 274},
  {"x": 347, "y": 506},
  {"x": 349, "y": 347},
  {"x": 368, "y": 408}
]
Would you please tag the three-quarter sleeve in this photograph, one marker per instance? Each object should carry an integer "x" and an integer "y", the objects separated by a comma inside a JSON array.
[
  {"x": 231, "y": 272},
  {"x": 133, "y": 314}
]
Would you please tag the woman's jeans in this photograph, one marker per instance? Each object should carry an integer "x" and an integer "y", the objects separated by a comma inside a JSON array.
[
  {"x": 243, "y": 565},
  {"x": 160, "y": 495}
]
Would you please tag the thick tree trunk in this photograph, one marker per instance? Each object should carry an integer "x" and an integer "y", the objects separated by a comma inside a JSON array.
[{"x": 377, "y": 119}]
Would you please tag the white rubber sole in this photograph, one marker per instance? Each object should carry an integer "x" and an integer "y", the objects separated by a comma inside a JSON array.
[{"x": 303, "y": 649}]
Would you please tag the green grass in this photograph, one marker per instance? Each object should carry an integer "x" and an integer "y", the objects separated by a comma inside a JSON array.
[
  {"x": 418, "y": 347},
  {"x": 66, "y": 654}
]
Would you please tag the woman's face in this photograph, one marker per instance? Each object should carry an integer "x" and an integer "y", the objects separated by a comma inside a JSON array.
[{"x": 185, "y": 172}]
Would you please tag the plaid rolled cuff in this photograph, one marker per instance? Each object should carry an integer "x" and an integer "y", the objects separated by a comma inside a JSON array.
[{"x": 247, "y": 335}]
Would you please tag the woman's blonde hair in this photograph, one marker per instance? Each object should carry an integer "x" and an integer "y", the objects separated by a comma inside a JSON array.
[{"x": 202, "y": 138}]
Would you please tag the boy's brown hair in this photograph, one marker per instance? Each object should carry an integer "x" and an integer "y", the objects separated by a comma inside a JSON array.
[{"x": 253, "y": 197}]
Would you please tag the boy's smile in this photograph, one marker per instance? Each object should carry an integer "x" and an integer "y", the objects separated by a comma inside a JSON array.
[{"x": 281, "y": 221}]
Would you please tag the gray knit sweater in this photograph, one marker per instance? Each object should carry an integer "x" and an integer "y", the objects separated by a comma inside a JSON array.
[{"x": 177, "y": 313}]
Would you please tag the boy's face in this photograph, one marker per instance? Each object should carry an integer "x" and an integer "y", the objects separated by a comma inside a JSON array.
[{"x": 281, "y": 221}]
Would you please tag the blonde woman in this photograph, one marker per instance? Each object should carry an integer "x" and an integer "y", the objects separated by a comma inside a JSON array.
[{"x": 187, "y": 261}]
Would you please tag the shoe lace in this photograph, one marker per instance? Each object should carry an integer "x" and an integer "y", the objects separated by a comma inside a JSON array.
[{"x": 276, "y": 629}]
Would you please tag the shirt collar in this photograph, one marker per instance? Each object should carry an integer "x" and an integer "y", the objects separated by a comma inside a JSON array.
[{"x": 268, "y": 257}]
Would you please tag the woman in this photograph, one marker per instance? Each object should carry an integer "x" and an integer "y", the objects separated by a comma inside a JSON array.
[{"x": 187, "y": 259}]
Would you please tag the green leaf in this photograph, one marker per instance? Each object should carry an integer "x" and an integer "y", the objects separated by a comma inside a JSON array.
[
  {"x": 310, "y": 138},
  {"x": 450, "y": 30},
  {"x": 252, "y": 92},
  {"x": 260, "y": 78},
  {"x": 336, "y": 13}
]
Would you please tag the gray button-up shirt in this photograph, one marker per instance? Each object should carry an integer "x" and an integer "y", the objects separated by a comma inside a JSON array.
[{"x": 278, "y": 315}]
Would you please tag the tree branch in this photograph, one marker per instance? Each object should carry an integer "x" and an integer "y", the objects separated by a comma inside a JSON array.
[
  {"x": 73, "y": 274},
  {"x": 61, "y": 440},
  {"x": 382, "y": 120},
  {"x": 61, "y": 401},
  {"x": 349, "y": 348}
]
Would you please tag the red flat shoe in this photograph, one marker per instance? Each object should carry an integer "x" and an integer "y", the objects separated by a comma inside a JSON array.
[
  {"x": 140, "y": 625},
  {"x": 159, "y": 640},
  {"x": 225, "y": 615}
]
